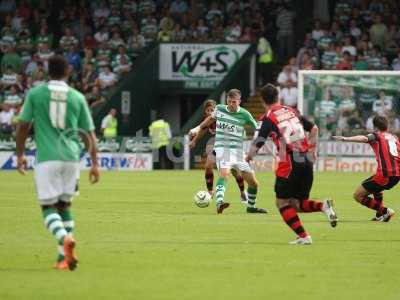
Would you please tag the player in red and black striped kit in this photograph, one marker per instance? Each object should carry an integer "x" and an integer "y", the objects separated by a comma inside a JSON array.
[
  {"x": 386, "y": 147},
  {"x": 294, "y": 173}
]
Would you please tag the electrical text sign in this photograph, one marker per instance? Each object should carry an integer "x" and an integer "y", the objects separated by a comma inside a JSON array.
[{"x": 205, "y": 64}]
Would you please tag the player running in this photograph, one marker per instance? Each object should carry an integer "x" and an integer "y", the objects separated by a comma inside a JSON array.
[
  {"x": 58, "y": 113},
  {"x": 230, "y": 120},
  {"x": 294, "y": 173},
  {"x": 209, "y": 106},
  {"x": 386, "y": 147}
]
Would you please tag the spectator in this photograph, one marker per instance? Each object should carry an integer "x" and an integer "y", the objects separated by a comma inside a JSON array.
[
  {"x": 383, "y": 105},
  {"x": 11, "y": 60},
  {"x": 178, "y": 8},
  {"x": 102, "y": 11},
  {"x": 44, "y": 53},
  {"x": 360, "y": 64},
  {"x": 136, "y": 42},
  {"x": 107, "y": 78},
  {"x": 284, "y": 22},
  {"x": 265, "y": 57},
  {"x": 9, "y": 78},
  {"x": 178, "y": 34},
  {"x": 102, "y": 35},
  {"x": 167, "y": 23},
  {"x": 109, "y": 125},
  {"x": 345, "y": 63},
  {"x": 317, "y": 32},
  {"x": 327, "y": 113},
  {"x": 287, "y": 78},
  {"x": 116, "y": 41},
  {"x": 289, "y": 96},
  {"x": 68, "y": 40},
  {"x": 89, "y": 76},
  {"x": 149, "y": 28},
  {"x": 95, "y": 98},
  {"x": 213, "y": 12},
  {"x": 6, "y": 118},
  {"x": 348, "y": 46},
  {"x": 379, "y": 33},
  {"x": 13, "y": 99},
  {"x": 44, "y": 37},
  {"x": 354, "y": 30},
  {"x": 74, "y": 58},
  {"x": 121, "y": 63},
  {"x": 396, "y": 62}
]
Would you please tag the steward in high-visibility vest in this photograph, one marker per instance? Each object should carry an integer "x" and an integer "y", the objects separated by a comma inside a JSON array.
[
  {"x": 264, "y": 50},
  {"x": 265, "y": 59},
  {"x": 109, "y": 124},
  {"x": 160, "y": 133}
]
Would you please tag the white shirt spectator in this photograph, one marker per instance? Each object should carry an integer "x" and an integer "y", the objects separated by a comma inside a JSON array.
[
  {"x": 369, "y": 124},
  {"x": 107, "y": 79},
  {"x": 101, "y": 12},
  {"x": 101, "y": 36},
  {"x": 355, "y": 32},
  {"x": 317, "y": 34},
  {"x": 383, "y": 107},
  {"x": 6, "y": 117},
  {"x": 396, "y": 64},
  {"x": 286, "y": 75},
  {"x": 289, "y": 96},
  {"x": 351, "y": 49}
]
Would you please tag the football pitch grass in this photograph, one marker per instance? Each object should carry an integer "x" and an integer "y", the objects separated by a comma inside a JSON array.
[{"x": 141, "y": 237}]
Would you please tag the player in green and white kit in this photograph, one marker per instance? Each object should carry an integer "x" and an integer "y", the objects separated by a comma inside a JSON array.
[
  {"x": 230, "y": 133},
  {"x": 58, "y": 113}
]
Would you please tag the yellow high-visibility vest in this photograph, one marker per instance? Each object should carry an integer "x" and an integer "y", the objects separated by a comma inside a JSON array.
[
  {"x": 159, "y": 132},
  {"x": 265, "y": 51},
  {"x": 111, "y": 130}
]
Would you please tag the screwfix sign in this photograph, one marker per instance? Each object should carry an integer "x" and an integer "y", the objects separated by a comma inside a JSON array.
[{"x": 198, "y": 62}]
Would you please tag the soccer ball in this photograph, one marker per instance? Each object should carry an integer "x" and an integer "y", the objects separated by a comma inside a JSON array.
[{"x": 202, "y": 199}]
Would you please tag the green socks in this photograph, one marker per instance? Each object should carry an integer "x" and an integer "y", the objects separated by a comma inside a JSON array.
[
  {"x": 220, "y": 190},
  {"x": 251, "y": 196}
]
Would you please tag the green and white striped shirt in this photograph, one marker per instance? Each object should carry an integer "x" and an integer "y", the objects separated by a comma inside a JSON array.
[{"x": 230, "y": 131}]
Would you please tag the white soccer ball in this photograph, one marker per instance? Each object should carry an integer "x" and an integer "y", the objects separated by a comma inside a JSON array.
[{"x": 202, "y": 199}]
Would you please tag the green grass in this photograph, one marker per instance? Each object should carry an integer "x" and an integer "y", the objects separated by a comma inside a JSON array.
[{"x": 141, "y": 237}]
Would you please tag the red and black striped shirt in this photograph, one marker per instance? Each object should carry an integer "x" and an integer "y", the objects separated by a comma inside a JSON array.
[{"x": 386, "y": 147}]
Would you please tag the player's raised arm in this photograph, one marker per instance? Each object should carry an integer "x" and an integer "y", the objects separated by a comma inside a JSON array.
[
  {"x": 355, "y": 139},
  {"x": 196, "y": 136}
]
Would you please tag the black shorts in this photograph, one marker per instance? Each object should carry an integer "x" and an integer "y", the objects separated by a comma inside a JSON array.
[
  {"x": 376, "y": 184},
  {"x": 299, "y": 183}
]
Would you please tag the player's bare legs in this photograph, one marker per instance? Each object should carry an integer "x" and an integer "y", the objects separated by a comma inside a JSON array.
[
  {"x": 240, "y": 182},
  {"x": 252, "y": 183},
  {"x": 220, "y": 189},
  {"x": 209, "y": 173},
  {"x": 361, "y": 195}
]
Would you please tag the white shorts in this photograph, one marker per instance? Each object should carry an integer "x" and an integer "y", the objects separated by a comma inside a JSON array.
[
  {"x": 56, "y": 180},
  {"x": 232, "y": 160}
]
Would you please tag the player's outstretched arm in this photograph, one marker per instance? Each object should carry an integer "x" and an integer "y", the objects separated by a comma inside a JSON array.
[
  {"x": 196, "y": 137},
  {"x": 355, "y": 139},
  {"x": 22, "y": 134}
]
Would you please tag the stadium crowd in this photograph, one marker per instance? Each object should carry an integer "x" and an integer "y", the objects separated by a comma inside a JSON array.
[
  {"x": 101, "y": 39},
  {"x": 359, "y": 35}
]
